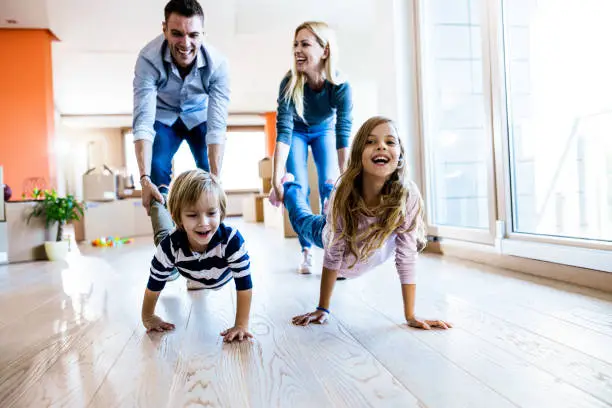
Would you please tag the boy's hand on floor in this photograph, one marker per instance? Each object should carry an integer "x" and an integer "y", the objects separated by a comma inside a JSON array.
[
  {"x": 318, "y": 316},
  {"x": 155, "y": 323},
  {"x": 428, "y": 324},
  {"x": 236, "y": 333}
]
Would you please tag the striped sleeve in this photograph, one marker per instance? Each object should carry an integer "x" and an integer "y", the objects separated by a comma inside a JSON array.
[
  {"x": 162, "y": 265},
  {"x": 238, "y": 261}
]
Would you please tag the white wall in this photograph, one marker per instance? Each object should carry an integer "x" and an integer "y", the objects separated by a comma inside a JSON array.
[
  {"x": 81, "y": 148},
  {"x": 93, "y": 73}
]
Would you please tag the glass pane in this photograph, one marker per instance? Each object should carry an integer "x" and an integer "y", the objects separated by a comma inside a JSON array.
[
  {"x": 560, "y": 116},
  {"x": 455, "y": 123},
  {"x": 240, "y": 170}
]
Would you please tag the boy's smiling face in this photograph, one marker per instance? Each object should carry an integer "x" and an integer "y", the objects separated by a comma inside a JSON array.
[{"x": 201, "y": 220}]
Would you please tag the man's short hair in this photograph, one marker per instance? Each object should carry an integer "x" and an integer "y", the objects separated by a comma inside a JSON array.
[{"x": 185, "y": 8}]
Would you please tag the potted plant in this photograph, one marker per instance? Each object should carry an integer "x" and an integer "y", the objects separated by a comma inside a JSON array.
[{"x": 56, "y": 211}]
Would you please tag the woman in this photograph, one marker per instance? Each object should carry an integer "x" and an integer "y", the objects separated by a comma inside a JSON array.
[{"x": 314, "y": 105}]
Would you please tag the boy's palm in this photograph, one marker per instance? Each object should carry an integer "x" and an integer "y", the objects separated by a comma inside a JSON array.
[
  {"x": 155, "y": 323},
  {"x": 236, "y": 333},
  {"x": 428, "y": 324}
]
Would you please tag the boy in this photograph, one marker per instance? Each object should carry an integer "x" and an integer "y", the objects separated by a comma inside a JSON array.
[{"x": 201, "y": 248}]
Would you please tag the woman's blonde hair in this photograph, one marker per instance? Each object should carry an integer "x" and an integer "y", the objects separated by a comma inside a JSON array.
[
  {"x": 294, "y": 90},
  {"x": 187, "y": 189},
  {"x": 349, "y": 207}
]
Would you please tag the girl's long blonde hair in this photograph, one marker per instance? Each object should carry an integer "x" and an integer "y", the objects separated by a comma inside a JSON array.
[
  {"x": 348, "y": 206},
  {"x": 294, "y": 90}
]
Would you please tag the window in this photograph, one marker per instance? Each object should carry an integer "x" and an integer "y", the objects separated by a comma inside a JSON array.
[
  {"x": 240, "y": 171},
  {"x": 560, "y": 116},
  {"x": 243, "y": 151},
  {"x": 456, "y": 131}
]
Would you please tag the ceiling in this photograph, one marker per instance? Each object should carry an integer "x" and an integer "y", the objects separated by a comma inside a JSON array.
[{"x": 99, "y": 40}]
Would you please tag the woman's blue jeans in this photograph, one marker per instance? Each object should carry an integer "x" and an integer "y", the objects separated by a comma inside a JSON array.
[{"x": 322, "y": 141}]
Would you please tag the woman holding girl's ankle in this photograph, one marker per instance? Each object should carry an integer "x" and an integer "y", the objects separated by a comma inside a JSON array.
[
  {"x": 314, "y": 109},
  {"x": 374, "y": 213}
]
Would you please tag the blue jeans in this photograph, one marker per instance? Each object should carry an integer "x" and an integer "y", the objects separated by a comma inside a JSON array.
[
  {"x": 166, "y": 143},
  {"x": 322, "y": 141},
  {"x": 307, "y": 225}
]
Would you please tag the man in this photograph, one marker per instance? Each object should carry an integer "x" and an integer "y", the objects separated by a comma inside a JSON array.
[{"x": 181, "y": 92}]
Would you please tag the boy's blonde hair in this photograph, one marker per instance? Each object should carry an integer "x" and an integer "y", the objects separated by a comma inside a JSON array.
[
  {"x": 348, "y": 204},
  {"x": 187, "y": 189},
  {"x": 294, "y": 91}
]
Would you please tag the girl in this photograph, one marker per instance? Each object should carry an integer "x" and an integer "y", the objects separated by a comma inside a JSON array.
[
  {"x": 312, "y": 97},
  {"x": 375, "y": 212}
]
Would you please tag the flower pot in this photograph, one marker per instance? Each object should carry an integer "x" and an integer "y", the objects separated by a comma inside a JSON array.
[{"x": 56, "y": 250}]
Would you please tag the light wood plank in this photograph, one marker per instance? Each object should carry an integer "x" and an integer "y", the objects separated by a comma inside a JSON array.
[
  {"x": 147, "y": 362},
  {"x": 508, "y": 373},
  {"x": 74, "y": 337},
  {"x": 586, "y": 373}
]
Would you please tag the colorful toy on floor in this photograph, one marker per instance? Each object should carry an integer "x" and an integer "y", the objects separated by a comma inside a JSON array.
[{"x": 111, "y": 241}]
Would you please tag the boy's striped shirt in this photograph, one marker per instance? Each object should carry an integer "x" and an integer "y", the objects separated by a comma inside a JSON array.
[{"x": 225, "y": 258}]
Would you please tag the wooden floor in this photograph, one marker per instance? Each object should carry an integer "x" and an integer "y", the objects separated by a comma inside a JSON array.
[{"x": 70, "y": 336}]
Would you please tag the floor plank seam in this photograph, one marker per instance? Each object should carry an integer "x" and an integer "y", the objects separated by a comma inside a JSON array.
[
  {"x": 348, "y": 331},
  {"x": 111, "y": 366},
  {"x": 65, "y": 344},
  {"x": 36, "y": 309},
  {"x": 565, "y": 320},
  {"x": 526, "y": 328},
  {"x": 408, "y": 330},
  {"x": 556, "y": 377}
]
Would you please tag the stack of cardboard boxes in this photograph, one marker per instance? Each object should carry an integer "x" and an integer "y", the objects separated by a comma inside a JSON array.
[
  {"x": 279, "y": 217},
  {"x": 111, "y": 211},
  {"x": 253, "y": 206}
]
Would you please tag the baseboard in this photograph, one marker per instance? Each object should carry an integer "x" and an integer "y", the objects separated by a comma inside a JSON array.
[{"x": 489, "y": 255}]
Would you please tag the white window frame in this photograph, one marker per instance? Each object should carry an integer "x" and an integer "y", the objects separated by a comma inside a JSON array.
[
  {"x": 584, "y": 253},
  {"x": 482, "y": 236}
]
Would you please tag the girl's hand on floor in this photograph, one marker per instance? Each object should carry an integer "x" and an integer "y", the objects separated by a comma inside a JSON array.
[
  {"x": 318, "y": 317},
  {"x": 428, "y": 324},
  {"x": 236, "y": 333},
  {"x": 155, "y": 323}
]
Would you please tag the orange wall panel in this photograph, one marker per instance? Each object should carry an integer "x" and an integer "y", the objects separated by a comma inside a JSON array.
[
  {"x": 26, "y": 107},
  {"x": 270, "y": 129}
]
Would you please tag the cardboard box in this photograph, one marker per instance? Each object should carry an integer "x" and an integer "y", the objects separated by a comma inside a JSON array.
[
  {"x": 120, "y": 218},
  {"x": 99, "y": 185},
  {"x": 273, "y": 216},
  {"x": 288, "y": 231},
  {"x": 125, "y": 186},
  {"x": 279, "y": 218},
  {"x": 253, "y": 208},
  {"x": 265, "y": 168},
  {"x": 266, "y": 185}
]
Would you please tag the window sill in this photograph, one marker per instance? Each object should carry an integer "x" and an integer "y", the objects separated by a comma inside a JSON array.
[
  {"x": 590, "y": 258},
  {"x": 578, "y": 266}
]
